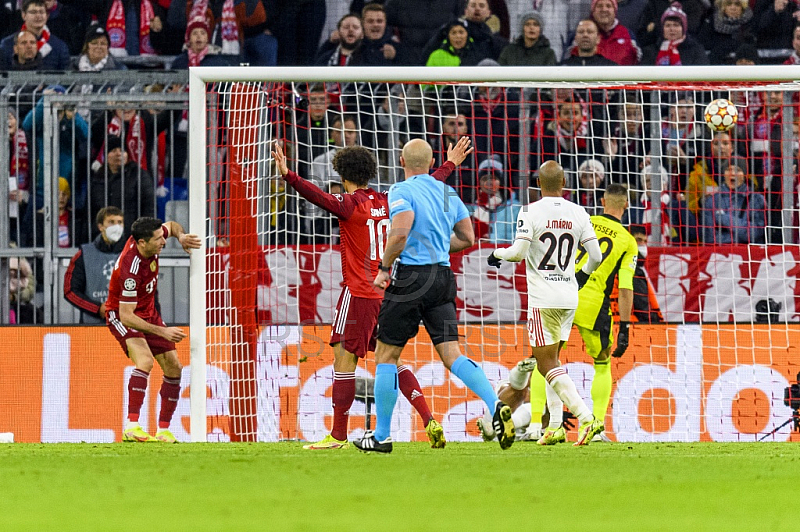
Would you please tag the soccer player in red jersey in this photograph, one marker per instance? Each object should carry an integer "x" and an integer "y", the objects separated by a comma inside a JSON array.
[
  {"x": 363, "y": 223},
  {"x": 133, "y": 319}
]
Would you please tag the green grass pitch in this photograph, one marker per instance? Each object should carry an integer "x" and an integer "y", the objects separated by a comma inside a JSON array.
[{"x": 467, "y": 486}]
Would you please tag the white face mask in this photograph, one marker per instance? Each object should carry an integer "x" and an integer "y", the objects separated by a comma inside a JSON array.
[
  {"x": 114, "y": 232},
  {"x": 643, "y": 250}
]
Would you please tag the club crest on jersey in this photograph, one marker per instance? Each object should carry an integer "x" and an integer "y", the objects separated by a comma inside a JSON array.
[
  {"x": 130, "y": 284},
  {"x": 153, "y": 266}
]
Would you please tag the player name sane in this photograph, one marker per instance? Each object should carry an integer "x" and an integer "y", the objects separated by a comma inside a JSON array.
[
  {"x": 378, "y": 212},
  {"x": 558, "y": 224}
]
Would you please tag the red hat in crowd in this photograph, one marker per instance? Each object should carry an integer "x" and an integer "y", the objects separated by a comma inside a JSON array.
[
  {"x": 675, "y": 11},
  {"x": 616, "y": 7},
  {"x": 196, "y": 22}
]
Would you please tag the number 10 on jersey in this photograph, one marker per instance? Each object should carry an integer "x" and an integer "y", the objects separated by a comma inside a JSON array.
[{"x": 377, "y": 237}]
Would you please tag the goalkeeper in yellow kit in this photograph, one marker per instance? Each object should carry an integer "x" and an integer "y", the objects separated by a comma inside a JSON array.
[{"x": 593, "y": 315}]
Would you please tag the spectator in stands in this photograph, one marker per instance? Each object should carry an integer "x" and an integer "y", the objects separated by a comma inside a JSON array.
[
  {"x": 454, "y": 126},
  {"x": 794, "y": 59},
  {"x": 73, "y": 133},
  {"x": 89, "y": 271},
  {"x": 493, "y": 196},
  {"x": 26, "y": 54},
  {"x": 486, "y": 44},
  {"x": 735, "y": 214},
  {"x": 560, "y": 19},
  {"x": 616, "y": 42},
  {"x": 774, "y": 23},
  {"x": 649, "y": 29},
  {"x": 68, "y": 23},
  {"x": 298, "y": 29},
  {"x": 417, "y": 21},
  {"x": 259, "y": 46},
  {"x": 17, "y": 174},
  {"x": 645, "y": 303},
  {"x": 168, "y": 26},
  {"x": 585, "y": 50},
  {"x": 379, "y": 47},
  {"x": 122, "y": 182},
  {"x": 95, "y": 55},
  {"x": 676, "y": 47},
  {"x": 390, "y": 127},
  {"x": 680, "y": 136},
  {"x": 495, "y": 126},
  {"x": 68, "y": 220},
  {"x": 727, "y": 29},
  {"x": 312, "y": 128},
  {"x": 643, "y": 210},
  {"x": 531, "y": 48},
  {"x": 54, "y": 52},
  {"x": 766, "y": 136},
  {"x": 591, "y": 186},
  {"x": 746, "y": 55},
  {"x": 198, "y": 51},
  {"x": 344, "y": 132},
  {"x": 21, "y": 289},
  {"x": 347, "y": 50},
  {"x": 704, "y": 178},
  {"x": 457, "y": 49},
  {"x": 627, "y": 147}
]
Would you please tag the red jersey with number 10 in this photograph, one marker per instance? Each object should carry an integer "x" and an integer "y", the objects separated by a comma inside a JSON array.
[{"x": 134, "y": 280}]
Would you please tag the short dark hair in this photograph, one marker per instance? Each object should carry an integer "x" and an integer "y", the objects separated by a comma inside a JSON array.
[
  {"x": 342, "y": 118},
  {"x": 355, "y": 164},
  {"x": 372, "y": 7},
  {"x": 636, "y": 229},
  {"x": 347, "y": 16},
  {"x": 28, "y": 3},
  {"x": 144, "y": 227},
  {"x": 105, "y": 212},
  {"x": 616, "y": 189}
]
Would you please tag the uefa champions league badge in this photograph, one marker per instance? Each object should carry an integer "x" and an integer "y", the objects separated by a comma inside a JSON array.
[{"x": 116, "y": 37}]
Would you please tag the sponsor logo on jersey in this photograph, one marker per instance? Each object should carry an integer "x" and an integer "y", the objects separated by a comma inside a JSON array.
[{"x": 153, "y": 266}]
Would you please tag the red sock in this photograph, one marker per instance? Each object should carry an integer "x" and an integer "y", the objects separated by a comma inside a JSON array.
[
  {"x": 137, "y": 387},
  {"x": 343, "y": 394},
  {"x": 413, "y": 392},
  {"x": 170, "y": 393}
]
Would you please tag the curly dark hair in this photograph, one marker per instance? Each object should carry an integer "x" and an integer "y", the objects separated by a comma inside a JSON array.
[{"x": 355, "y": 164}]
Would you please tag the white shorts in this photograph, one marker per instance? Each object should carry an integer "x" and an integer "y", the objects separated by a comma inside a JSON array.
[{"x": 548, "y": 326}]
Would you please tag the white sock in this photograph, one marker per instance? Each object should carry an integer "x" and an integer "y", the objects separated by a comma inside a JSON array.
[
  {"x": 131, "y": 425},
  {"x": 565, "y": 388},
  {"x": 518, "y": 379},
  {"x": 487, "y": 422},
  {"x": 555, "y": 406},
  {"x": 534, "y": 428},
  {"x": 521, "y": 416}
]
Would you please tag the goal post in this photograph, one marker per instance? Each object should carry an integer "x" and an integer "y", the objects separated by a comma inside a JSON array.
[{"x": 264, "y": 285}]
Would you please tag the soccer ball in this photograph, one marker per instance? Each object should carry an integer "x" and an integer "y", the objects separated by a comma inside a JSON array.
[{"x": 721, "y": 115}]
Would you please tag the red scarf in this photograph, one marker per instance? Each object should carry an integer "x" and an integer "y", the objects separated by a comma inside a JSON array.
[
  {"x": 115, "y": 26},
  {"x": 229, "y": 27},
  {"x": 668, "y": 54},
  {"x": 135, "y": 140},
  {"x": 42, "y": 43},
  {"x": 196, "y": 58},
  {"x": 19, "y": 159}
]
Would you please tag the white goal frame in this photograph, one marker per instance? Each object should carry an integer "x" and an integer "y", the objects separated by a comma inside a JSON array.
[{"x": 770, "y": 75}]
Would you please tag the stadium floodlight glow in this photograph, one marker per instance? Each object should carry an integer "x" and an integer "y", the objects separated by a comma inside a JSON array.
[{"x": 261, "y": 292}]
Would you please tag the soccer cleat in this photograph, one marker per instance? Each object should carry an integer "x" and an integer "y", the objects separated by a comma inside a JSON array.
[
  {"x": 553, "y": 436},
  {"x": 136, "y": 434},
  {"x": 328, "y": 442},
  {"x": 503, "y": 425},
  {"x": 588, "y": 431},
  {"x": 532, "y": 433},
  {"x": 165, "y": 436},
  {"x": 435, "y": 434},
  {"x": 368, "y": 444},
  {"x": 487, "y": 432},
  {"x": 526, "y": 365},
  {"x": 601, "y": 438}
]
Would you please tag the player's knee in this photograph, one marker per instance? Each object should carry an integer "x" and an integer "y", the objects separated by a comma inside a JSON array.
[{"x": 145, "y": 364}]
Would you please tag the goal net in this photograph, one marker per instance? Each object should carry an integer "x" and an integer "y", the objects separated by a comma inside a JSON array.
[{"x": 713, "y": 349}]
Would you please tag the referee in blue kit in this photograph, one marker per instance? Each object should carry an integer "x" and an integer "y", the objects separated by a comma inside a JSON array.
[{"x": 429, "y": 221}]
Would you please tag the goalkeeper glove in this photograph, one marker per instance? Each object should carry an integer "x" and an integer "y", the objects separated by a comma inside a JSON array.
[
  {"x": 494, "y": 261},
  {"x": 581, "y": 276},
  {"x": 622, "y": 339}
]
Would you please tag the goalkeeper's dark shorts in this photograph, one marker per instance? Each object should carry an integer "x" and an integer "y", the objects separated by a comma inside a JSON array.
[{"x": 419, "y": 293}]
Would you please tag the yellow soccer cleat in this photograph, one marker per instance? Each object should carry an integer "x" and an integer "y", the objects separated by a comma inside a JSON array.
[
  {"x": 435, "y": 434},
  {"x": 165, "y": 436},
  {"x": 328, "y": 442},
  {"x": 553, "y": 436},
  {"x": 589, "y": 431},
  {"x": 136, "y": 433}
]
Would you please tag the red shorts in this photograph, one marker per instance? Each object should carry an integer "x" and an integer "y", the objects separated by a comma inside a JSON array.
[
  {"x": 157, "y": 344},
  {"x": 355, "y": 323}
]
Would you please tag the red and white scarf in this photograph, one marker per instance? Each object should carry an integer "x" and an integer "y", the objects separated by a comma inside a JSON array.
[
  {"x": 135, "y": 140},
  {"x": 42, "y": 43},
  {"x": 668, "y": 54},
  {"x": 19, "y": 159},
  {"x": 116, "y": 28},
  {"x": 228, "y": 25}
]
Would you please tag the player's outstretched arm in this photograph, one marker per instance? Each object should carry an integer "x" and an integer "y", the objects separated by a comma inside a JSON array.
[
  {"x": 515, "y": 253},
  {"x": 188, "y": 241},
  {"x": 455, "y": 156},
  {"x": 308, "y": 190}
]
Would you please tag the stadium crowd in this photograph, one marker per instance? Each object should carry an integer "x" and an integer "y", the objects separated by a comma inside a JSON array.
[{"x": 720, "y": 188}]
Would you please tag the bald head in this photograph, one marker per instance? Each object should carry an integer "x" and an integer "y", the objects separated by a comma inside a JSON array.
[
  {"x": 417, "y": 157},
  {"x": 551, "y": 178}
]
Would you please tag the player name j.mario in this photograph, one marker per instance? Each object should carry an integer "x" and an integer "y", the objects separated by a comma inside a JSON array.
[{"x": 558, "y": 224}]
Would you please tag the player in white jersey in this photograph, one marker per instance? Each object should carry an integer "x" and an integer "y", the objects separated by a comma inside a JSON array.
[{"x": 548, "y": 234}]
